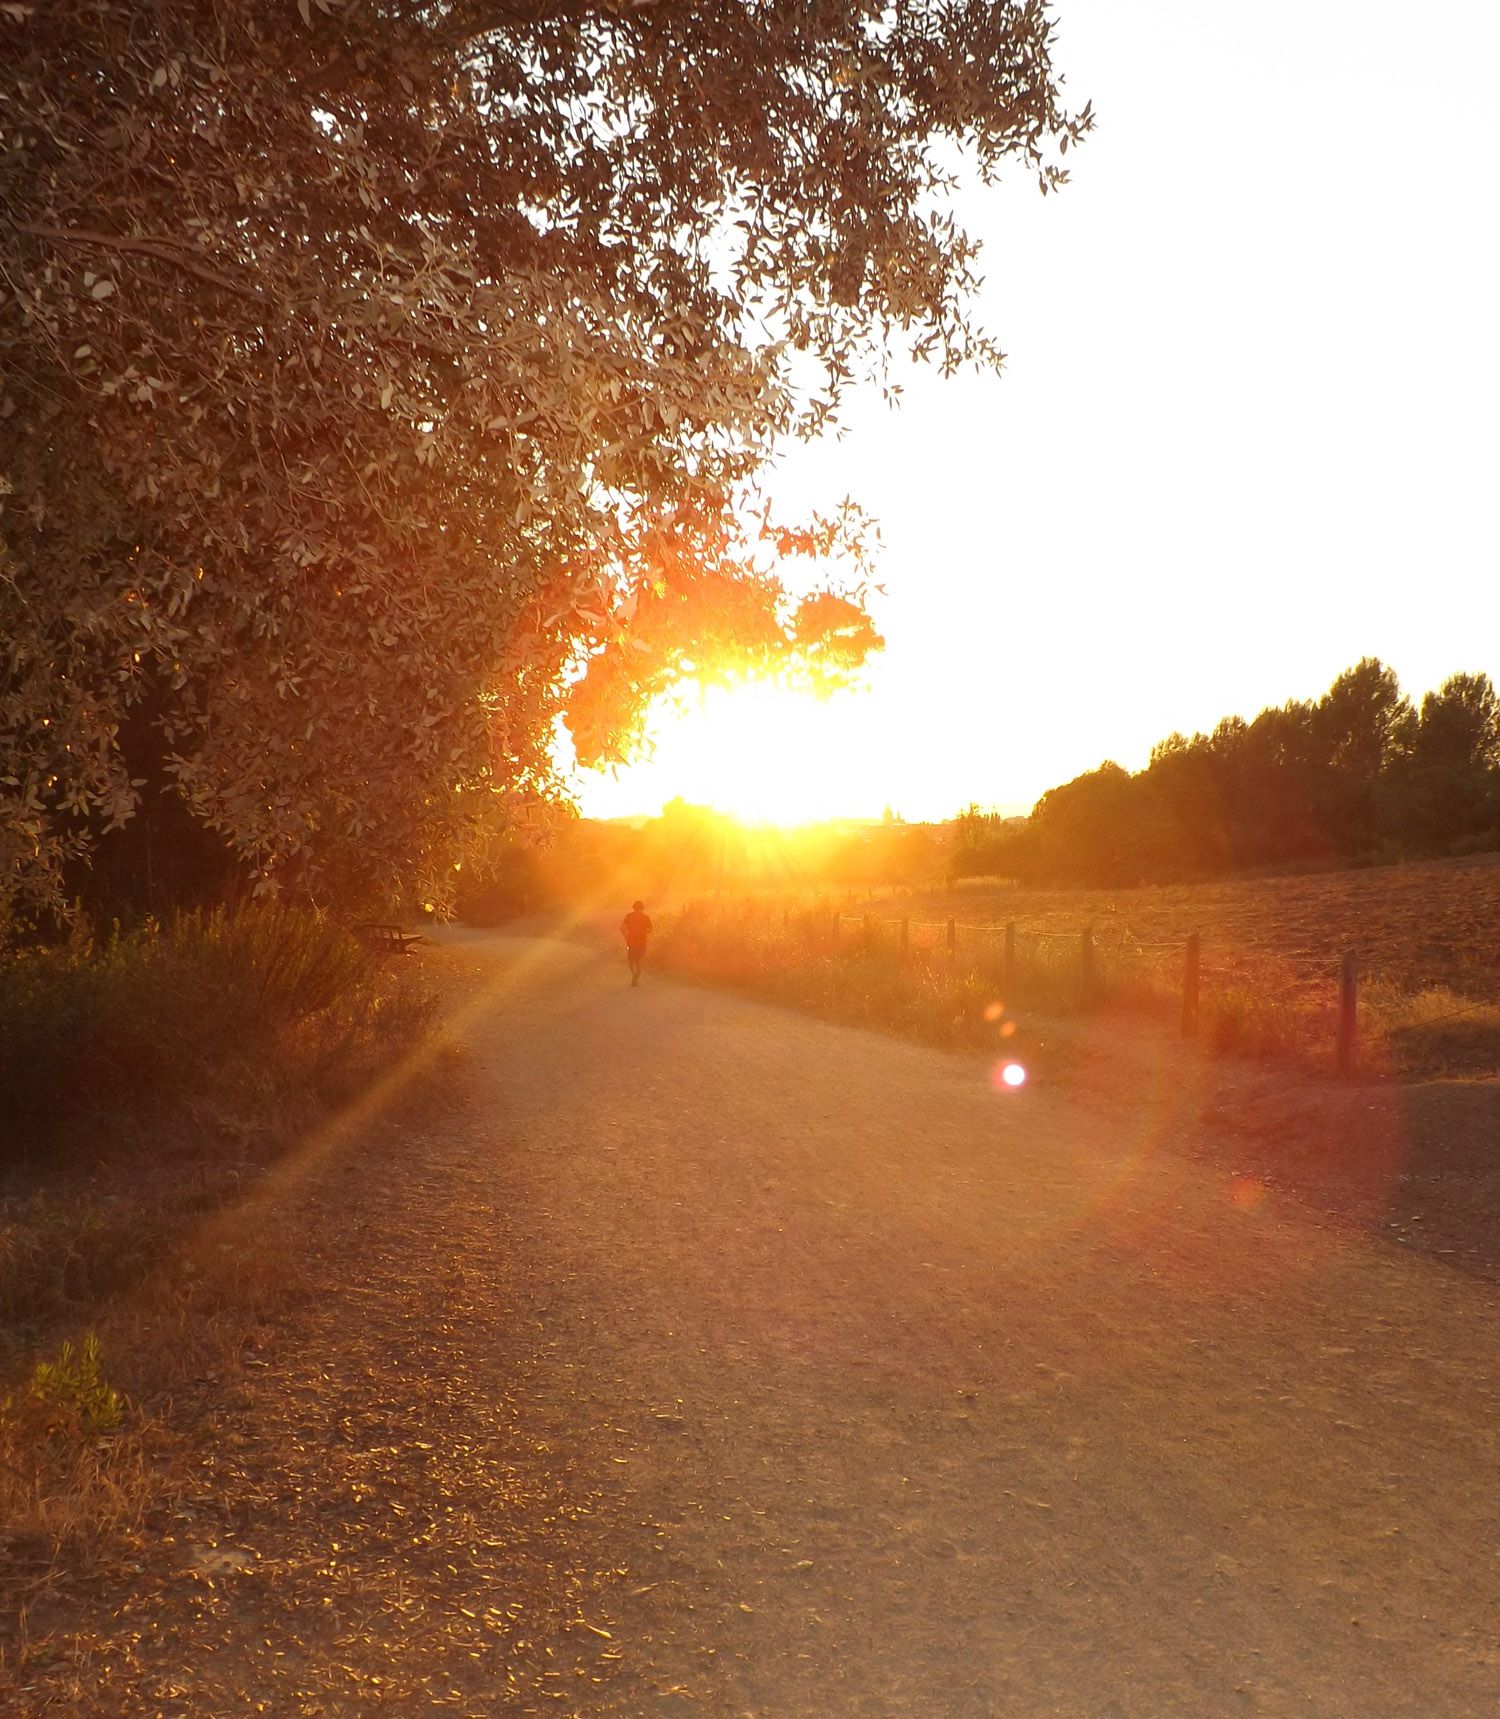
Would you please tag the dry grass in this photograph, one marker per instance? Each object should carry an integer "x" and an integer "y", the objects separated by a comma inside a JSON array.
[
  {"x": 851, "y": 968},
  {"x": 1423, "y": 935},
  {"x": 1426, "y": 1034},
  {"x": 73, "y": 1486},
  {"x": 149, "y": 1227},
  {"x": 1414, "y": 926}
]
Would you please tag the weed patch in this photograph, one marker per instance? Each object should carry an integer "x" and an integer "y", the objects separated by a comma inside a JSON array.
[{"x": 73, "y": 1393}]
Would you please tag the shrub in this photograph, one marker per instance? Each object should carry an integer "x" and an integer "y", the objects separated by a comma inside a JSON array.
[
  {"x": 73, "y": 1394},
  {"x": 90, "y": 1036}
]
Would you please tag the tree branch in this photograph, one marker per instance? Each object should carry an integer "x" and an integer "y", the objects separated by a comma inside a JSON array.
[{"x": 162, "y": 249}]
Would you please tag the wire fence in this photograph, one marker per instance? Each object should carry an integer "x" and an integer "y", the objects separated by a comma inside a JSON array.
[{"x": 1245, "y": 1003}]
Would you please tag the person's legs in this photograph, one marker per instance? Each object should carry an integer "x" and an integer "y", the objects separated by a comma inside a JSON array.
[{"x": 636, "y": 956}]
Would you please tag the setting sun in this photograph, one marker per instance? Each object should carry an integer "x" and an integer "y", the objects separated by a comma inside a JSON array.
[{"x": 758, "y": 750}]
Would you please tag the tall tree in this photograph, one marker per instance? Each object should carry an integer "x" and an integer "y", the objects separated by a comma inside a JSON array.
[
  {"x": 381, "y": 381},
  {"x": 1363, "y": 721},
  {"x": 1459, "y": 725},
  {"x": 1446, "y": 788}
]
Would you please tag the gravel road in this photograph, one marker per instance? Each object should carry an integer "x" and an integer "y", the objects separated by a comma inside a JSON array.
[{"x": 712, "y": 1358}]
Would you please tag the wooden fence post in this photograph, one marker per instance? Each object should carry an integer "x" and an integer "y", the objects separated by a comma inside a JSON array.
[
  {"x": 1347, "y": 1048},
  {"x": 1086, "y": 968},
  {"x": 1190, "y": 973},
  {"x": 952, "y": 937},
  {"x": 1008, "y": 967}
]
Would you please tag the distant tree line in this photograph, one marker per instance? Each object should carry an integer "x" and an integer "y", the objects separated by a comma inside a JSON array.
[
  {"x": 694, "y": 850},
  {"x": 1361, "y": 774}
]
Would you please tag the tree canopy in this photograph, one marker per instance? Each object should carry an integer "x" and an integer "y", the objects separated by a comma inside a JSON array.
[{"x": 385, "y": 381}]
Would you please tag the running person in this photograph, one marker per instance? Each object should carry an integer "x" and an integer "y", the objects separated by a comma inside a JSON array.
[{"x": 635, "y": 928}]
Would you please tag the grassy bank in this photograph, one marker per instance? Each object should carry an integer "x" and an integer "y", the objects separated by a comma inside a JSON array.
[
  {"x": 149, "y": 1086},
  {"x": 953, "y": 983}
]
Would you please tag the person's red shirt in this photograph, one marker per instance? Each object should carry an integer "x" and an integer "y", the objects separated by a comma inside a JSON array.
[{"x": 637, "y": 928}]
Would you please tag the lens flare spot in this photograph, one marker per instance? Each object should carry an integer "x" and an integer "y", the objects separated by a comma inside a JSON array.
[
  {"x": 1246, "y": 1192},
  {"x": 1007, "y": 1029},
  {"x": 993, "y": 1011},
  {"x": 1009, "y": 1076}
]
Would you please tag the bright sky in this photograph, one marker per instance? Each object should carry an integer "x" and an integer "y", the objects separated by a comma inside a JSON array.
[{"x": 1246, "y": 433}]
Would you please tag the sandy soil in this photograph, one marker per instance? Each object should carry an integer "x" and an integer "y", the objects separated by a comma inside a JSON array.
[{"x": 713, "y": 1357}]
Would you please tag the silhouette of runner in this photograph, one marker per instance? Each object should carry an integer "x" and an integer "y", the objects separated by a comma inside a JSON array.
[{"x": 635, "y": 928}]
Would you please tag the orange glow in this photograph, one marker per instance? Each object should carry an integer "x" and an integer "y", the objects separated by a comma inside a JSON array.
[{"x": 761, "y": 751}]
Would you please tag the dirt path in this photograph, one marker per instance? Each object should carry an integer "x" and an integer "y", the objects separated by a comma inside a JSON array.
[{"x": 714, "y": 1357}]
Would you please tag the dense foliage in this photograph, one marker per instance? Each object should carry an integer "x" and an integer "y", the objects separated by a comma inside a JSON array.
[
  {"x": 1361, "y": 773},
  {"x": 369, "y": 368}
]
